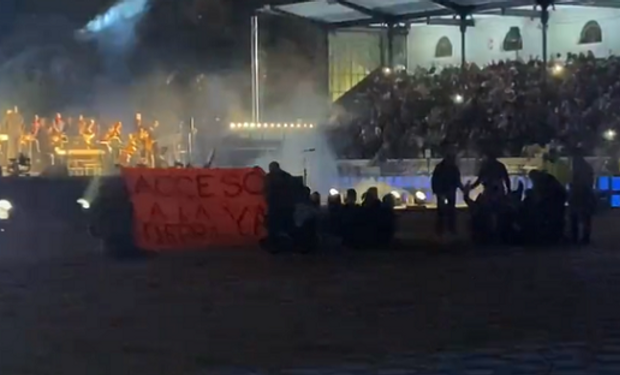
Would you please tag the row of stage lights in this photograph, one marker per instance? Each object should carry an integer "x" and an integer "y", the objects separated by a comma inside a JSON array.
[{"x": 252, "y": 125}]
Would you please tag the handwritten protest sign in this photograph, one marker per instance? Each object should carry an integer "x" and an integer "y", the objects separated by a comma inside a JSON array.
[{"x": 178, "y": 209}]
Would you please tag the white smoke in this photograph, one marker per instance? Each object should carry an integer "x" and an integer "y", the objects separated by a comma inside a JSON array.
[
  {"x": 115, "y": 35},
  {"x": 309, "y": 154}
]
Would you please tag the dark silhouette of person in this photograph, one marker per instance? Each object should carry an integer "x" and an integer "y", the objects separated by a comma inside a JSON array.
[
  {"x": 369, "y": 220},
  {"x": 306, "y": 221},
  {"x": 351, "y": 219},
  {"x": 479, "y": 216},
  {"x": 550, "y": 195},
  {"x": 280, "y": 201},
  {"x": 581, "y": 199},
  {"x": 493, "y": 176},
  {"x": 350, "y": 197},
  {"x": 446, "y": 179},
  {"x": 386, "y": 226}
]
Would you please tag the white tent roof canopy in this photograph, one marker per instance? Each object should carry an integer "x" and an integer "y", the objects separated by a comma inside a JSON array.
[{"x": 345, "y": 13}]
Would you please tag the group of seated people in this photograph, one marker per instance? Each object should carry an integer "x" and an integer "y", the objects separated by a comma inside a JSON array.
[
  {"x": 500, "y": 214},
  {"x": 403, "y": 114},
  {"x": 295, "y": 219},
  {"x": 520, "y": 217}
]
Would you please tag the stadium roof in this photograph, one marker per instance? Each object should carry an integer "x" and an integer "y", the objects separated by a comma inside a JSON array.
[{"x": 346, "y": 13}]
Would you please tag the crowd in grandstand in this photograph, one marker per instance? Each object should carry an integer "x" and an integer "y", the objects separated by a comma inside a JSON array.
[{"x": 507, "y": 104}]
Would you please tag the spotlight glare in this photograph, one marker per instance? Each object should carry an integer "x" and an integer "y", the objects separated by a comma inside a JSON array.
[
  {"x": 420, "y": 195},
  {"x": 610, "y": 135},
  {"x": 84, "y": 203},
  {"x": 5, "y": 205}
]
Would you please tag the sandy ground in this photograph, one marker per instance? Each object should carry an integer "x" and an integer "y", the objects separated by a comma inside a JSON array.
[{"x": 67, "y": 309}]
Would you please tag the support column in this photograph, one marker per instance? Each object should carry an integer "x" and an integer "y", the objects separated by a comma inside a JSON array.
[
  {"x": 544, "y": 21},
  {"x": 256, "y": 79},
  {"x": 390, "y": 45},
  {"x": 463, "y": 29}
]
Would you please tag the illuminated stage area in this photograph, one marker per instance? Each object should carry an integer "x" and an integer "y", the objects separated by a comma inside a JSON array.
[{"x": 86, "y": 146}]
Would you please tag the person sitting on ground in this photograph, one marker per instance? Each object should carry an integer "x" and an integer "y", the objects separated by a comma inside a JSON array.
[
  {"x": 370, "y": 214},
  {"x": 479, "y": 216},
  {"x": 334, "y": 215},
  {"x": 350, "y": 198},
  {"x": 386, "y": 223},
  {"x": 371, "y": 198},
  {"x": 528, "y": 219},
  {"x": 306, "y": 218},
  {"x": 556, "y": 167},
  {"x": 315, "y": 199},
  {"x": 351, "y": 220}
]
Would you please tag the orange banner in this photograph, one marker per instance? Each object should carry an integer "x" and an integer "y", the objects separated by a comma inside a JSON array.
[{"x": 181, "y": 209}]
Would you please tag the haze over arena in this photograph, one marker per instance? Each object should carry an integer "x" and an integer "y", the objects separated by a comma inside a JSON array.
[{"x": 113, "y": 60}]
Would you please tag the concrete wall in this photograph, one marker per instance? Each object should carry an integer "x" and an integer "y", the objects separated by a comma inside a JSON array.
[
  {"x": 484, "y": 41},
  {"x": 567, "y": 24}
]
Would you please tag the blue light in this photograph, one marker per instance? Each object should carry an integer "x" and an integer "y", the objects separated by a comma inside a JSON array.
[
  {"x": 615, "y": 201},
  {"x": 603, "y": 183}
]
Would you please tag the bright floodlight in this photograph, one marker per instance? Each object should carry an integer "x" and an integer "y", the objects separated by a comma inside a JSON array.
[
  {"x": 420, "y": 195},
  {"x": 557, "y": 69},
  {"x": 5, "y": 205},
  {"x": 395, "y": 194},
  {"x": 609, "y": 135},
  {"x": 84, "y": 203},
  {"x": 387, "y": 71},
  {"x": 458, "y": 98},
  {"x": 333, "y": 191}
]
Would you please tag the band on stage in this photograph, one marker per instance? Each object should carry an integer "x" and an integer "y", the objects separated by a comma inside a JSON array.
[{"x": 44, "y": 141}]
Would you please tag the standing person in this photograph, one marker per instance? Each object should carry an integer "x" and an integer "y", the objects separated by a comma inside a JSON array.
[
  {"x": 280, "y": 203},
  {"x": 550, "y": 195},
  {"x": 493, "y": 176},
  {"x": 445, "y": 180},
  {"x": 14, "y": 127},
  {"x": 581, "y": 199}
]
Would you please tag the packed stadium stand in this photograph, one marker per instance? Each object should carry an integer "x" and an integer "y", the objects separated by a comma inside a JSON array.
[{"x": 407, "y": 76}]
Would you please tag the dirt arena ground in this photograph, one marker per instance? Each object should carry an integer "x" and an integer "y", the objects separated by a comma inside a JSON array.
[{"x": 67, "y": 309}]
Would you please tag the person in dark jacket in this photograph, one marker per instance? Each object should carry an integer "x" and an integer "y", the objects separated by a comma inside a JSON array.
[
  {"x": 445, "y": 181},
  {"x": 551, "y": 202},
  {"x": 493, "y": 176},
  {"x": 278, "y": 192},
  {"x": 351, "y": 220},
  {"x": 581, "y": 199},
  {"x": 479, "y": 218}
]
